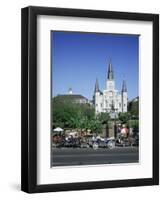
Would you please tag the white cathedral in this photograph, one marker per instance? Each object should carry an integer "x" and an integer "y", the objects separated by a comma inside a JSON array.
[{"x": 110, "y": 100}]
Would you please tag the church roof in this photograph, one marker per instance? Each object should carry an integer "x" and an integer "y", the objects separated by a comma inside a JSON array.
[{"x": 71, "y": 96}]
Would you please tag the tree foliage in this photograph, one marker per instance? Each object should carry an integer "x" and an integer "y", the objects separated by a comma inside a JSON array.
[
  {"x": 133, "y": 108},
  {"x": 66, "y": 114},
  {"x": 133, "y": 124},
  {"x": 103, "y": 117},
  {"x": 124, "y": 117}
]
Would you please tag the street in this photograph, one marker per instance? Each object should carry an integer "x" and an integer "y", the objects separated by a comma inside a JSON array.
[{"x": 89, "y": 156}]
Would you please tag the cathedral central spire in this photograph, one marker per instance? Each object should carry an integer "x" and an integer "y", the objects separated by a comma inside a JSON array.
[{"x": 110, "y": 71}]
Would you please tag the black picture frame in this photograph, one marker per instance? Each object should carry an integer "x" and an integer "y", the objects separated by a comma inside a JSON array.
[{"x": 29, "y": 99}]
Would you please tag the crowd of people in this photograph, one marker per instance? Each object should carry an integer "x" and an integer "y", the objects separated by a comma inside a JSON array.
[{"x": 124, "y": 137}]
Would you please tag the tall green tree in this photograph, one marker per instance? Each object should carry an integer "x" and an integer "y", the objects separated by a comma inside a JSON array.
[
  {"x": 71, "y": 115},
  {"x": 103, "y": 117},
  {"x": 124, "y": 117}
]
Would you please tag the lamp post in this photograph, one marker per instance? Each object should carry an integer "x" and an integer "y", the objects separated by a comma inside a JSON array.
[
  {"x": 115, "y": 125},
  {"x": 107, "y": 130}
]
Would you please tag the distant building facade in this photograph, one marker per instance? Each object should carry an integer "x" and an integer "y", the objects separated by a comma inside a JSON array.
[
  {"x": 73, "y": 98},
  {"x": 110, "y": 100}
]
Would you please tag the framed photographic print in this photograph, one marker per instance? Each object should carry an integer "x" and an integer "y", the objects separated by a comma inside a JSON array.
[{"x": 90, "y": 99}]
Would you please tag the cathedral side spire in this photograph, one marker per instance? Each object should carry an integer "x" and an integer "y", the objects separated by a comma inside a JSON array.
[
  {"x": 124, "y": 87},
  {"x": 110, "y": 71},
  {"x": 96, "y": 86}
]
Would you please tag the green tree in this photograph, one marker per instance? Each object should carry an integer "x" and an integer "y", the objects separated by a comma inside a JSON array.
[
  {"x": 124, "y": 117},
  {"x": 133, "y": 108},
  {"x": 103, "y": 117},
  {"x": 95, "y": 126},
  {"x": 133, "y": 124},
  {"x": 71, "y": 115}
]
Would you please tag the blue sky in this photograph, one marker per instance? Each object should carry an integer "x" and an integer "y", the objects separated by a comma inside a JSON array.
[{"x": 79, "y": 58}]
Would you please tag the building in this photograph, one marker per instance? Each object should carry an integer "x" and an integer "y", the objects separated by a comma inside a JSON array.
[
  {"x": 110, "y": 100},
  {"x": 73, "y": 98}
]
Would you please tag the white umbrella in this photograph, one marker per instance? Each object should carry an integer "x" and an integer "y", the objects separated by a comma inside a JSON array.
[{"x": 58, "y": 129}]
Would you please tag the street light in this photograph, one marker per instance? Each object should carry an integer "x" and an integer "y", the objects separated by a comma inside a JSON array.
[{"x": 115, "y": 125}]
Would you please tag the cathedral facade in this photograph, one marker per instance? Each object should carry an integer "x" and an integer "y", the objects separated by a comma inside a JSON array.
[{"x": 110, "y": 100}]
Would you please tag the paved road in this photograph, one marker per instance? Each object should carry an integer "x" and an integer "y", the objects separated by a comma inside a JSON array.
[{"x": 69, "y": 156}]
